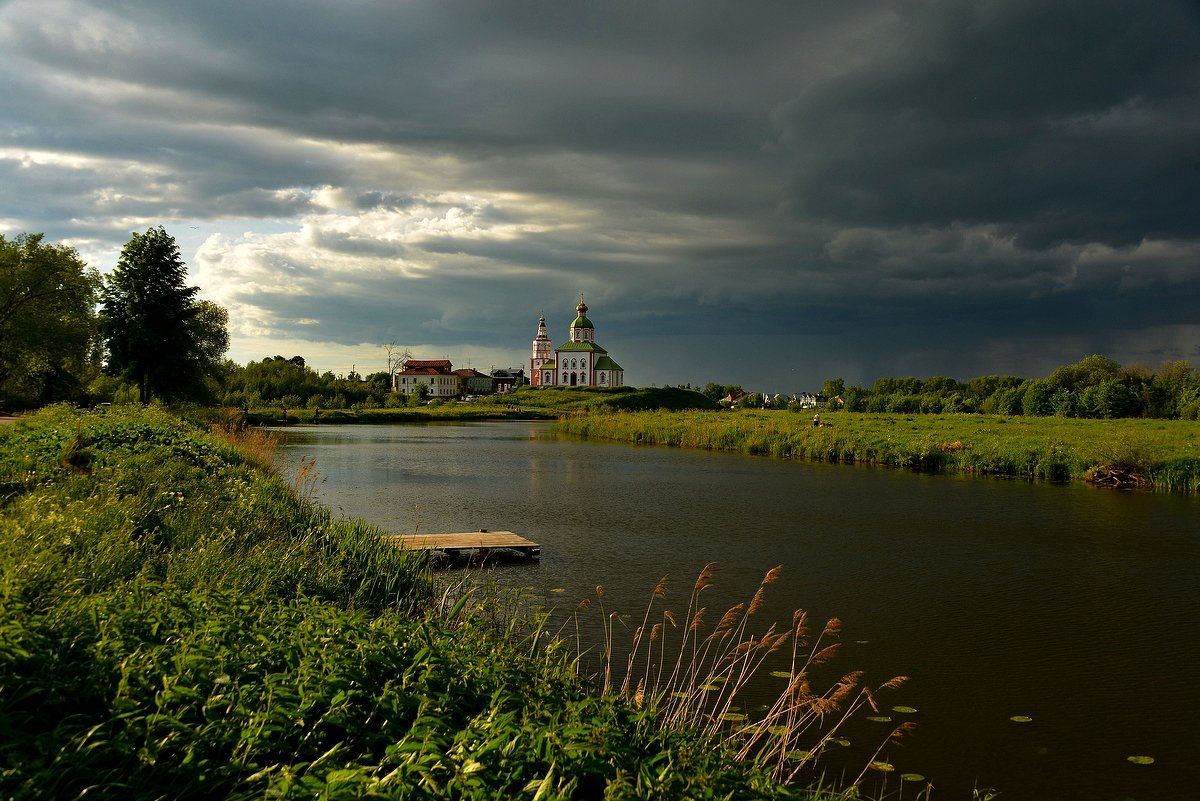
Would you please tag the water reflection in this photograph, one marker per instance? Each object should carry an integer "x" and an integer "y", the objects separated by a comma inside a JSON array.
[{"x": 1070, "y": 605}]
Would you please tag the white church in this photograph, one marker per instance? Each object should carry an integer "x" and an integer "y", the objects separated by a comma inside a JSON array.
[{"x": 577, "y": 362}]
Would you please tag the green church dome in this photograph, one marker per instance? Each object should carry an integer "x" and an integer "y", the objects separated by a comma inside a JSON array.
[{"x": 582, "y": 321}]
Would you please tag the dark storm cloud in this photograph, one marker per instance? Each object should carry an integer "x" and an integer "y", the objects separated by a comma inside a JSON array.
[
  {"x": 1065, "y": 121},
  {"x": 750, "y": 190}
]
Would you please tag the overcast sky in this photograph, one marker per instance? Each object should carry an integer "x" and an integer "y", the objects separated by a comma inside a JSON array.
[{"x": 763, "y": 193}]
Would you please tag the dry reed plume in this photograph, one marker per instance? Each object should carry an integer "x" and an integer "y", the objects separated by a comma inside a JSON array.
[
  {"x": 693, "y": 678},
  {"x": 256, "y": 445}
]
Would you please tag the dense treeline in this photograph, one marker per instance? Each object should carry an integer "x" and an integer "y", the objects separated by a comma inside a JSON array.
[
  {"x": 291, "y": 384},
  {"x": 1096, "y": 387}
]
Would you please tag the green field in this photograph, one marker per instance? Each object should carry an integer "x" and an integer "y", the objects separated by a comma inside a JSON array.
[
  {"x": 525, "y": 403},
  {"x": 1152, "y": 454}
]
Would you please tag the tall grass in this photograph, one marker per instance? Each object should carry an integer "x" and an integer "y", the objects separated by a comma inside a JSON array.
[
  {"x": 1158, "y": 454},
  {"x": 695, "y": 676}
]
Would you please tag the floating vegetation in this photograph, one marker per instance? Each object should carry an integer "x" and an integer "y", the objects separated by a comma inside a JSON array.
[
  {"x": 904, "y": 710},
  {"x": 882, "y": 767},
  {"x": 733, "y": 717},
  {"x": 781, "y": 674},
  {"x": 911, "y": 777},
  {"x": 1021, "y": 719},
  {"x": 1141, "y": 760},
  {"x": 880, "y": 718},
  {"x": 842, "y": 741}
]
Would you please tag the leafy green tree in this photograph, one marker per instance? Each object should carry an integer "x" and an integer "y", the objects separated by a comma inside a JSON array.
[
  {"x": 833, "y": 387},
  {"x": 1087, "y": 372},
  {"x": 1063, "y": 403},
  {"x": 1036, "y": 402},
  {"x": 157, "y": 334},
  {"x": 718, "y": 391},
  {"x": 419, "y": 395},
  {"x": 48, "y": 329},
  {"x": 1108, "y": 399}
]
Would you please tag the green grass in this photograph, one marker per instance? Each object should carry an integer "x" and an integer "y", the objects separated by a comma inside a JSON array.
[
  {"x": 176, "y": 622},
  {"x": 525, "y": 403},
  {"x": 1164, "y": 454}
]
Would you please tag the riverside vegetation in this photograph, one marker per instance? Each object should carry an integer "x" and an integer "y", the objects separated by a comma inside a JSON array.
[
  {"x": 1152, "y": 454},
  {"x": 176, "y": 621}
]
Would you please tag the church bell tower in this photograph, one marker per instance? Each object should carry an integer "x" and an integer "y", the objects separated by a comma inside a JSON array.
[{"x": 543, "y": 356}]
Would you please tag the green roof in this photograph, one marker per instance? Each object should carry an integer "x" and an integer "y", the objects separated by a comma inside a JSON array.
[
  {"x": 582, "y": 346},
  {"x": 606, "y": 363},
  {"x": 582, "y": 322}
]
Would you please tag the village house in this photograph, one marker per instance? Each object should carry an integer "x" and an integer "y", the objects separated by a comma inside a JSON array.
[
  {"x": 504, "y": 381},
  {"x": 436, "y": 374},
  {"x": 474, "y": 382}
]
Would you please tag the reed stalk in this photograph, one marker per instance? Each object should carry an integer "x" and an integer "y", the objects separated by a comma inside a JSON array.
[{"x": 710, "y": 669}]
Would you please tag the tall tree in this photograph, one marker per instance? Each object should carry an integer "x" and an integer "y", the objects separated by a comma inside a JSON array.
[
  {"x": 48, "y": 328},
  {"x": 157, "y": 334}
]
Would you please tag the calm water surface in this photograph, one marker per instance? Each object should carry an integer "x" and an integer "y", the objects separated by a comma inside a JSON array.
[{"x": 1074, "y": 606}]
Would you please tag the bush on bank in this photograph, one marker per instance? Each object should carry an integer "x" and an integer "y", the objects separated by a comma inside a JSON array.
[{"x": 175, "y": 622}]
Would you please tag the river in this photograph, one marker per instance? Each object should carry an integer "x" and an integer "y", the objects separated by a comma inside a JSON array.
[{"x": 1072, "y": 606}]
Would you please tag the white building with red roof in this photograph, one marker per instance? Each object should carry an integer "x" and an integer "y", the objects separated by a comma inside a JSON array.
[{"x": 436, "y": 374}]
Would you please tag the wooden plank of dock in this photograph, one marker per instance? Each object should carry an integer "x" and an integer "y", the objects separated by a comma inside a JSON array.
[{"x": 482, "y": 541}]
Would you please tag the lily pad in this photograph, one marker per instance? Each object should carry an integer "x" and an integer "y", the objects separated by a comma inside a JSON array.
[
  {"x": 801, "y": 756},
  {"x": 733, "y": 717},
  {"x": 1141, "y": 760},
  {"x": 1021, "y": 719},
  {"x": 842, "y": 741},
  {"x": 882, "y": 767},
  {"x": 781, "y": 674},
  {"x": 879, "y": 718},
  {"x": 558, "y": 589},
  {"x": 911, "y": 777},
  {"x": 904, "y": 710},
  {"x": 777, "y": 730}
]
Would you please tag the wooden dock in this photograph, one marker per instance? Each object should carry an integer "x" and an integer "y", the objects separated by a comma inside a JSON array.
[{"x": 481, "y": 542}]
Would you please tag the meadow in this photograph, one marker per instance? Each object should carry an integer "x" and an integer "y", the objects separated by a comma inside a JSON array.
[
  {"x": 1127, "y": 452},
  {"x": 525, "y": 403},
  {"x": 176, "y": 621}
]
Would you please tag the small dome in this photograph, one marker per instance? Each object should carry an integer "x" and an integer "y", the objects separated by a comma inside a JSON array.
[{"x": 582, "y": 321}]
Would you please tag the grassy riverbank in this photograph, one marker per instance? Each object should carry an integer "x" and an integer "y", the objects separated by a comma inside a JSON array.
[
  {"x": 177, "y": 622},
  {"x": 1158, "y": 454},
  {"x": 525, "y": 403}
]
